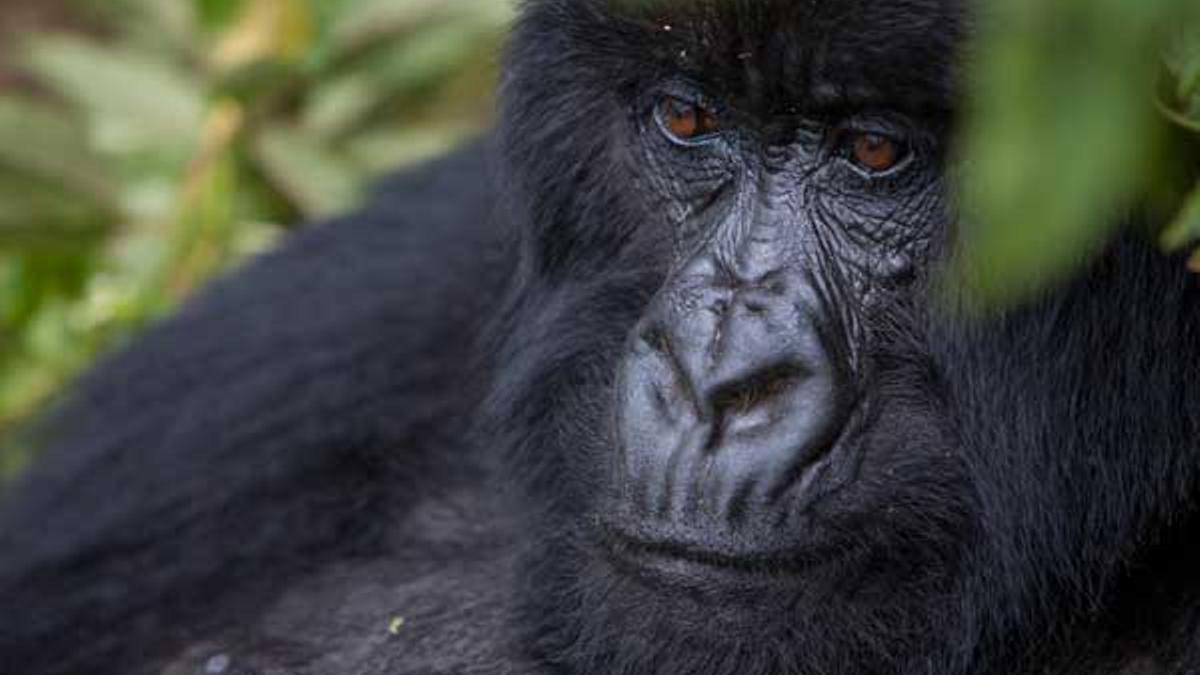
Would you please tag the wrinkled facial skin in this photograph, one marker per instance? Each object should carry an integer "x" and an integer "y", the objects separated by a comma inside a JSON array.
[
  {"x": 746, "y": 388},
  {"x": 757, "y": 466}
]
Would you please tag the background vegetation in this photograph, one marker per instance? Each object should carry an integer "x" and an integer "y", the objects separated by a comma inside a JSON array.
[
  {"x": 147, "y": 144},
  {"x": 1079, "y": 110}
]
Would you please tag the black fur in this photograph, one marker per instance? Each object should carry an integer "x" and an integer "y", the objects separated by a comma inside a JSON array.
[
  {"x": 380, "y": 449},
  {"x": 276, "y": 424}
]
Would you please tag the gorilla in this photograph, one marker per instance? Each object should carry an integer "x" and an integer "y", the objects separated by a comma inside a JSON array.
[{"x": 662, "y": 377}]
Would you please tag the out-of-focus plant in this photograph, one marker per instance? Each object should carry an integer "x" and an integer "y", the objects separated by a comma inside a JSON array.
[
  {"x": 176, "y": 136},
  {"x": 1080, "y": 110}
]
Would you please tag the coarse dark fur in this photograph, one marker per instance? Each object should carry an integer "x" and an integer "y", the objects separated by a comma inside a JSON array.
[{"x": 383, "y": 448}]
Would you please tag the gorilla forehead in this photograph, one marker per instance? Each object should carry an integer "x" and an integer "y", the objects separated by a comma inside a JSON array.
[{"x": 781, "y": 56}]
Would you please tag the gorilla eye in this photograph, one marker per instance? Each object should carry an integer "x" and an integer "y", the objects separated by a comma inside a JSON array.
[
  {"x": 685, "y": 122},
  {"x": 873, "y": 152}
]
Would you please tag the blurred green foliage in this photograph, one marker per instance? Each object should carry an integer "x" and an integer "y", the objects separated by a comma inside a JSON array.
[
  {"x": 1079, "y": 110},
  {"x": 154, "y": 142}
]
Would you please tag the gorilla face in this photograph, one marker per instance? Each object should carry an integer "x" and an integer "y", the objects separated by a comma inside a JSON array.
[
  {"x": 736, "y": 209},
  {"x": 747, "y": 393}
]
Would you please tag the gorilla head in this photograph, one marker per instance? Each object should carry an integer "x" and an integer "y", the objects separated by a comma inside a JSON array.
[{"x": 752, "y": 438}]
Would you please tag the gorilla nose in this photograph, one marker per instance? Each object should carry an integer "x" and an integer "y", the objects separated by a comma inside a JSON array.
[
  {"x": 723, "y": 405},
  {"x": 732, "y": 380}
]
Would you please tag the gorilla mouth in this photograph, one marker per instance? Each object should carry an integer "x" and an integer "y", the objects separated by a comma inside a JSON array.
[
  {"x": 672, "y": 531},
  {"x": 637, "y": 554}
]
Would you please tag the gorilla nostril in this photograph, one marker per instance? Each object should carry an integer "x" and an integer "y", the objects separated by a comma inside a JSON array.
[
  {"x": 755, "y": 308},
  {"x": 743, "y": 396},
  {"x": 719, "y": 307}
]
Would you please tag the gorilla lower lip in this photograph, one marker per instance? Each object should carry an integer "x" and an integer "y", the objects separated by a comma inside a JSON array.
[{"x": 631, "y": 550}]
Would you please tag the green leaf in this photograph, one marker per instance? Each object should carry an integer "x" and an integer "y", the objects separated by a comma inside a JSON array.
[
  {"x": 327, "y": 14},
  {"x": 364, "y": 22},
  {"x": 167, "y": 27},
  {"x": 1185, "y": 229},
  {"x": 317, "y": 182},
  {"x": 409, "y": 67},
  {"x": 133, "y": 99},
  {"x": 36, "y": 214},
  {"x": 386, "y": 150},
  {"x": 1062, "y": 136},
  {"x": 216, "y": 14},
  {"x": 48, "y": 143},
  {"x": 1182, "y": 60}
]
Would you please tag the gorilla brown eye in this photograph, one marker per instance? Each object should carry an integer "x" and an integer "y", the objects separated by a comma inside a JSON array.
[
  {"x": 876, "y": 153},
  {"x": 686, "y": 122}
]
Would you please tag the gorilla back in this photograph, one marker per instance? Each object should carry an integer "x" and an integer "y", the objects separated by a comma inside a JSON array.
[{"x": 673, "y": 392}]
